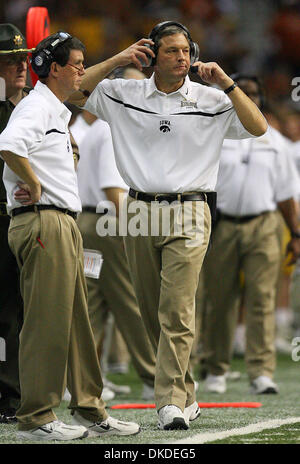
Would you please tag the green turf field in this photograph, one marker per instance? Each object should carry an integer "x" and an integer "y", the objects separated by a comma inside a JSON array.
[{"x": 274, "y": 408}]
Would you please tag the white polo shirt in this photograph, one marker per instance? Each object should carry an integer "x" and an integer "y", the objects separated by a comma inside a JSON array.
[
  {"x": 166, "y": 142},
  {"x": 38, "y": 130},
  {"x": 79, "y": 128},
  {"x": 97, "y": 168},
  {"x": 255, "y": 174}
]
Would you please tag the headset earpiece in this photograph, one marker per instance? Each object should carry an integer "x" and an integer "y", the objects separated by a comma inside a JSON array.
[{"x": 41, "y": 60}]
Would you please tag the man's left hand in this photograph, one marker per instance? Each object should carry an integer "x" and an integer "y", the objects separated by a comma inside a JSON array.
[{"x": 212, "y": 73}]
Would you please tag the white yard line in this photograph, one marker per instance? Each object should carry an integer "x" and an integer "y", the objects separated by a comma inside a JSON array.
[{"x": 207, "y": 437}]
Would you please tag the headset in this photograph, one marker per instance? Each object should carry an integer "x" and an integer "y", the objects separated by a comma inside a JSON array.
[
  {"x": 194, "y": 47},
  {"x": 253, "y": 78},
  {"x": 41, "y": 59}
]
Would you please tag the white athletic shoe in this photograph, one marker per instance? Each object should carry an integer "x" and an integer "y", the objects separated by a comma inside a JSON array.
[
  {"x": 171, "y": 417},
  {"x": 147, "y": 393},
  {"x": 262, "y": 385},
  {"x": 192, "y": 412},
  {"x": 109, "y": 426},
  {"x": 215, "y": 384},
  {"x": 233, "y": 375},
  {"x": 107, "y": 394},
  {"x": 55, "y": 430},
  {"x": 118, "y": 389},
  {"x": 67, "y": 395}
]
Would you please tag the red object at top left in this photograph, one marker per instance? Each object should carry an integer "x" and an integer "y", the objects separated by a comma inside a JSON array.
[{"x": 37, "y": 28}]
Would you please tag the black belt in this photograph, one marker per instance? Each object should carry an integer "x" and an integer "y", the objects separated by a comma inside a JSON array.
[
  {"x": 169, "y": 197},
  {"x": 89, "y": 209},
  {"x": 3, "y": 210},
  {"x": 36, "y": 208},
  {"x": 240, "y": 219}
]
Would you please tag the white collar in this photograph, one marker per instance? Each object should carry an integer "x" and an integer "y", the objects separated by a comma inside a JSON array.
[
  {"x": 58, "y": 106},
  {"x": 184, "y": 90}
]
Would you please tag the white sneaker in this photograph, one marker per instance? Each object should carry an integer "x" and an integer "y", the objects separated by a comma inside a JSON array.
[
  {"x": 117, "y": 368},
  {"x": 215, "y": 384},
  {"x": 109, "y": 426},
  {"x": 67, "y": 395},
  {"x": 107, "y": 394},
  {"x": 282, "y": 345},
  {"x": 171, "y": 417},
  {"x": 116, "y": 388},
  {"x": 55, "y": 430},
  {"x": 263, "y": 384},
  {"x": 192, "y": 412},
  {"x": 233, "y": 375},
  {"x": 147, "y": 393}
]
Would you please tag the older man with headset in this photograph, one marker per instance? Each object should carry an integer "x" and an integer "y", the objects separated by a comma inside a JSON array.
[
  {"x": 56, "y": 337},
  {"x": 167, "y": 133}
]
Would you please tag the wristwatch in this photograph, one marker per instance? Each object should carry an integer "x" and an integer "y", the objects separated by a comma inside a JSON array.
[{"x": 231, "y": 88}]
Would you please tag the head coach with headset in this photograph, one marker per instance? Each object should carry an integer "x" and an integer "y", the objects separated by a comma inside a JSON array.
[
  {"x": 167, "y": 134},
  {"x": 56, "y": 338}
]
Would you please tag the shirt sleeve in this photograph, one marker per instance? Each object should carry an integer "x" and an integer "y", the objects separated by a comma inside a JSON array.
[
  {"x": 287, "y": 180},
  {"x": 229, "y": 122},
  {"x": 109, "y": 176},
  {"x": 25, "y": 128},
  {"x": 99, "y": 101}
]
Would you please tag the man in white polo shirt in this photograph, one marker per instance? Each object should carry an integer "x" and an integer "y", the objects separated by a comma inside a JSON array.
[
  {"x": 167, "y": 134},
  {"x": 256, "y": 177},
  {"x": 56, "y": 338}
]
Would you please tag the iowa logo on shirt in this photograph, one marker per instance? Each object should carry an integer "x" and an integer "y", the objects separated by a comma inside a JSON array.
[{"x": 165, "y": 126}]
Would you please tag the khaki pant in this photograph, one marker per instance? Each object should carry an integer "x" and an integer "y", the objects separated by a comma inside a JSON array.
[
  {"x": 295, "y": 297},
  {"x": 56, "y": 338},
  {"x": 165, "y": 271},
  {"x": 114, "y": 292},
  {"x": 11, "y": 317},
  {"x": 253, "y": 247}
]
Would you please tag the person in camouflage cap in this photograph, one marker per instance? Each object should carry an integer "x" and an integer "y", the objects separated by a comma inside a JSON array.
[{"x": 13, "y": 74}]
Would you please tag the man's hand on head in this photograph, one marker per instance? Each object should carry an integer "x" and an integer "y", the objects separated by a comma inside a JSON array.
[
  {"x": 212, "y": 73},
  {"x": 137, "y": 53}
]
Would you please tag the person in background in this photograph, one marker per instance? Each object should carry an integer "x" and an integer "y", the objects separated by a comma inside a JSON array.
[
  {"x": 13, "y": 71},
  {"x": 256, "y": 177}
]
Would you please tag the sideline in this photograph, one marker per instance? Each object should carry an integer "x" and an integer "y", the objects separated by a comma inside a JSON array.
[{"x": 207, "y": 437}]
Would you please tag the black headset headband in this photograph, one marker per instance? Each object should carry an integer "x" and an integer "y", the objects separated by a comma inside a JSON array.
[
  {"x": 194, "y": 48},
  {"x": 42, "y": 59},
  {"x": 161, "y": 26}
]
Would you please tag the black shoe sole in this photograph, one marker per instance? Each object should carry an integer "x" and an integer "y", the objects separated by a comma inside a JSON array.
[
  {"x": 198, "y": 415},
  {"x": 177, "y": 424},
  {"x": 269, "y": 391}
]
